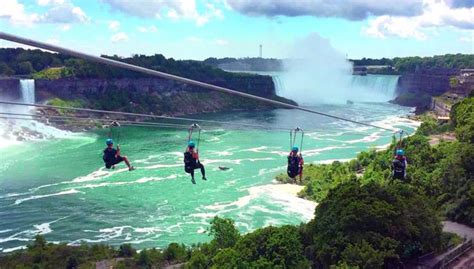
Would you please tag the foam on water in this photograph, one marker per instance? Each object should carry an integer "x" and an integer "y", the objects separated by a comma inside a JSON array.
[{"x": 35, "y": 197}]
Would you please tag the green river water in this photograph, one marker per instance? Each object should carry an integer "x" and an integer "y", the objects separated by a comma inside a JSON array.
[{"x": 59, "y": 188}]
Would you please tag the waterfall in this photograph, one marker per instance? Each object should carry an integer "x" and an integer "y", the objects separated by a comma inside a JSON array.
[
  {"x": 369, "y": 88},
  {"x": 12, "y": 131},
  {"x": 383, "y": 86},
  {"x": 27, "y": 88},
  {"x": 277, "y": 83}
]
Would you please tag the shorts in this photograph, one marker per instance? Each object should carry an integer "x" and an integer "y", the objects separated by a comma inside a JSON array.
[{"x": 115, "y": 161}]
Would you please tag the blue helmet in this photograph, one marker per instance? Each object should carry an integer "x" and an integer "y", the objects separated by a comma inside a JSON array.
[
  {"x": 295, "y": 149},
  {"x": 109, "y": 142},
  {"x": 400, "y": 152},
  {"x": 191, "y": 144}
]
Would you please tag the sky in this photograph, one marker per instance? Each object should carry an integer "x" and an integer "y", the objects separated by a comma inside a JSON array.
[{"x": 198, "y": 29}]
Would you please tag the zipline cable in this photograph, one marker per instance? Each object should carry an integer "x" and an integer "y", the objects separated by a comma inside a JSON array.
[
  {"x": 151, "y": 72},
  {"x": 185, "y": 127},
  {"x": 141, "y": 115}
]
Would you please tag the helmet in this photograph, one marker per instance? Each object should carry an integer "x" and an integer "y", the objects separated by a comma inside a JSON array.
[
  {"x": 295, "y": 149},
  {"x": 400, "y": 152},
  {"x": 109, "y": 142},
  {"x": 191, "y": 144}
]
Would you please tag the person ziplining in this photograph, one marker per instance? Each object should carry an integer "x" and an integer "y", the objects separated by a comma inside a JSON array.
[
  {"x": 111, "y": 155},
  {"x": 191, "y": 155},
  {"x": 399, "y": 163},
  {"x": 295, "y": 158}
]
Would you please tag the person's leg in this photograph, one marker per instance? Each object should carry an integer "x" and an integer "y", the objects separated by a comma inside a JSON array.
[
  {"x": 203, "y": 171},
  {"x": 192, "y": 176},
  {"x": 127, "y": 162}
]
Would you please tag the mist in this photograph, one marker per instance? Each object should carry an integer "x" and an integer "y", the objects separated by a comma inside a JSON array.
[{"x": 317, "y": 73}]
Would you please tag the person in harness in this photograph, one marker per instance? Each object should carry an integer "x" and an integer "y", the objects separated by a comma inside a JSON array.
[
  {"x": 112, "y": 156},
  {"x": 295, "y": 164},
  {"x": 399, "y": 165},
  {"x": 191, "y": 162}
]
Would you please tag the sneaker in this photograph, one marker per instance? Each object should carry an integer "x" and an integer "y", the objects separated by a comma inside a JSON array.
[
  {"x": 131, "y": 168},
  {"x": 193, "y": 181},
  {"x": 204, "y": 178}
]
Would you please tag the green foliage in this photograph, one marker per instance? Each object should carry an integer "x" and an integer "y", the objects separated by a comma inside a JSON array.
[
  {"x": 5, "y": 70},
  {"x": 175, "y": 252},
  {"x": 366, "y": 225},
  {"x": 276, "y": 246},
  {"x": 126, "y": 250},
  {"x": 25, "y": 68},
  {"x": 412, "y": 64},
  {"x": 430, "y": 126},
  {"x": 197, "y": 261},
  {"x": 462, "y": 115},
  {"x": 50, "y": 73},
  {"x": 65, "y": 103},
  {"x": 224, "y": 232},
  {"x": 144, "y": 259},
  {"x": 227, "y": 258},
  {"x": 453, "y": 82}
]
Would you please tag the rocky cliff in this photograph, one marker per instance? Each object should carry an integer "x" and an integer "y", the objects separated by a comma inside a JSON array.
[
  {"x": 417, "y": 88},
  {"x": 10, "y": 89},
  {"x": 157, "y": 96}
]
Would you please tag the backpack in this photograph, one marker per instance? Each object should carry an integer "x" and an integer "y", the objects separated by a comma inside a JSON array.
[
  {"x": 293, "y": 166},
  {"x": 398, "y": 169},
  {"x": 189, "y": 162}
]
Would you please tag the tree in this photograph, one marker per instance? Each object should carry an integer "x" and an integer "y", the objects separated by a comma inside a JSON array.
[
  {"x": 281, "y": 246},
  {"x": 367, "y": 225},
  {"x": 126, "y": 250},
  {"x": 144, "y": 259},
  {"x": 224, "y": 232},
  {"x": 6, "y": 70},
  {"x": 462, "y": 115},
  {"x": 25, "y": 68},
  {"x": 227, "y": 258},
  {"x": 198, "y": 260},
  {"x": 175, "y": 252}
]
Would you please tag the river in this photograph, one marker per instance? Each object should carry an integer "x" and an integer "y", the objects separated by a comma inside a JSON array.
[{"x": 58, "y": 186}]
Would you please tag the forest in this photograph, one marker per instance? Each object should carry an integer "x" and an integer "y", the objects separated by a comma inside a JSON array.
[{"x": 41, "y": 64}]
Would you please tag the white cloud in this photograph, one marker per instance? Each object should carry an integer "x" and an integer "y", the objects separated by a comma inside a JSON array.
[
  {"x": 119, "y": 37},
  {"x": 15, "y": 13},
  {"x": 172, "y": 9},
  {"x": 149, "y": 29},
  {"x": 59, "y": 11},
  {"x": 50, "y": 2},
  {"x": 211, "y": 12},
  {"x": 221, "y": 42},
  {"x": 65, "y": 27},
  {"x": 114, "y": 25},
  {"x": 468, "y": 39},
  {"x": 435, "y": 14}
]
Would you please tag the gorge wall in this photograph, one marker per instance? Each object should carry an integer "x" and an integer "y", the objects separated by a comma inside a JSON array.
[
  {"x": 417, "y": 88},
  {"x": 152, "y": 95}
]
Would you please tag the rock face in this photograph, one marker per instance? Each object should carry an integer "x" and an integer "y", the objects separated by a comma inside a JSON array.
[
  {"x": 432, "y": 82},
  {"x": 158, "y": 96},
  {"x": 416, "y": 89},
  {"x": 10, "y": 89}
]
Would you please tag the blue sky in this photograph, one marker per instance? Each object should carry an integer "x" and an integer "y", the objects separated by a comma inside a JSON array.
[{"x": 197, "y": 29}]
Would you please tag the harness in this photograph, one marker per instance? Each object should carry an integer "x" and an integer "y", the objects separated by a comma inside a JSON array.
[
  {"x": 294, "y": 160},
  {"x": 189, "y": 161}
]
